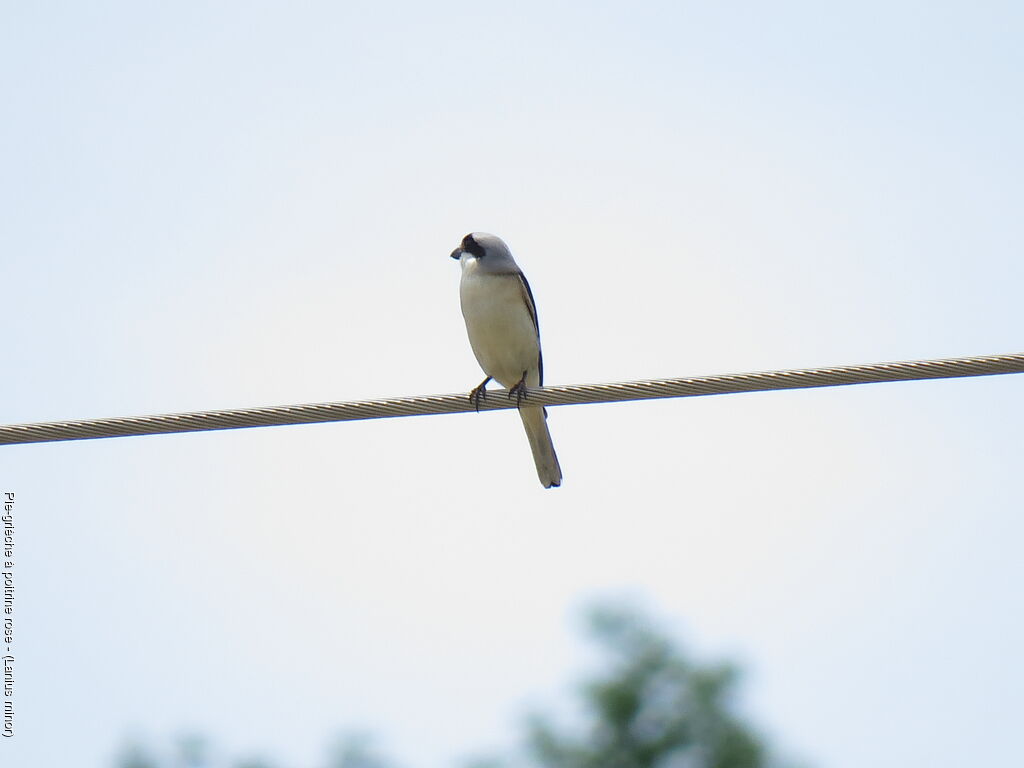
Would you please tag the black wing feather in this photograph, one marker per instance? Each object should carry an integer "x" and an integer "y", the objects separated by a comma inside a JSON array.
[{"x": 532, "y": 307}]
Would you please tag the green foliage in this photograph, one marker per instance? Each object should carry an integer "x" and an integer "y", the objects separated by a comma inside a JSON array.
[
  {"x": 256, "y": 762},
  {"x": 354, "y": 751},
  {"x": 134, "y": 756},
  {"x": 653, "y": 708},
  {"x": 650, "y": 707}
]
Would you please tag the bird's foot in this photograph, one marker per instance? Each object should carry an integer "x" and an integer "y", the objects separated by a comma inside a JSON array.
[
  {"x": 519, "y": 390},
  {"x": 477, "y": 393}
]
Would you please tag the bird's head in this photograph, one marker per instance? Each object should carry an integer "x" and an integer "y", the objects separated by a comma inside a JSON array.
[{"x": 488, "y": 251}]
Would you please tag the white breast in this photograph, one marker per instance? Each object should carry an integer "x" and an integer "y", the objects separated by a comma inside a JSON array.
[{"x": 500, "y": 327}]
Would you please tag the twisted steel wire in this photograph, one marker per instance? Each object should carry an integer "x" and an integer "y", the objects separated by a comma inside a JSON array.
[{"x": 312, "y": 413}]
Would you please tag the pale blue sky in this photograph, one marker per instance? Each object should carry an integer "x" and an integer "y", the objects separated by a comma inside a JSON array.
[{"x": 235, "y": 204}]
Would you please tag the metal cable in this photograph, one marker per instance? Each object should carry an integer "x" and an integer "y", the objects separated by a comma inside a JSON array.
[{"x": 313, "y": 413}]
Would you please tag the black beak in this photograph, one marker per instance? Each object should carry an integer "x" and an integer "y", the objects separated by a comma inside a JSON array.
[{"x": 457, "y": 253}]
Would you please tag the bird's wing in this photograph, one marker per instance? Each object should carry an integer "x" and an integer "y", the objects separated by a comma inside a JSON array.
[{"x": 532, "y": 308}]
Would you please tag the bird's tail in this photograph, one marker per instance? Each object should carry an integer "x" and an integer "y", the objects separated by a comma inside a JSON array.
[{"x": 535, "y": 421}]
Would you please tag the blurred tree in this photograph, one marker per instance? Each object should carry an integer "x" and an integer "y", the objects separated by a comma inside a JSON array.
[
  {"x": 353, "y": 750},
  {"x": 190, "y": 751},
  {"x": 653, "y": 708},
  {"x": 135, "y": 756},
  {"x": 255, "y": 762},
  {"x": 193, "y": 751}
]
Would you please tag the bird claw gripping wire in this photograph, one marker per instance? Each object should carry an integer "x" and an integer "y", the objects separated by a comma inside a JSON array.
[
  {"x": 478, "y": 392},
  {"x": 519, "y": 390}
]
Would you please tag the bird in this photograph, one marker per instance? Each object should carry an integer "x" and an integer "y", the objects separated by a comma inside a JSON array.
[{"x": 501, "y": 321}]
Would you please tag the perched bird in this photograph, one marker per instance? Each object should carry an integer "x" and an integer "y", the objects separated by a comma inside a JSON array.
[{"x": 501, "y": 321}]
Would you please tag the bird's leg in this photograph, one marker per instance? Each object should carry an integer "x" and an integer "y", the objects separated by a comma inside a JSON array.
[
  {"x": 477, "y": 393},
  {"x": 519, "y": 390}
]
